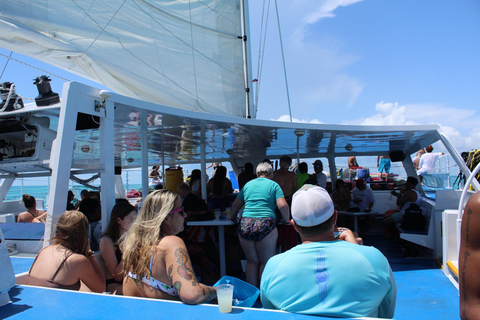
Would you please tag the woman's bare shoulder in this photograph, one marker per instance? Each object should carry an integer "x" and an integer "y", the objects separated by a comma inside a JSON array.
[
  {"x": 170, "y": 242},
  {"x": 77, "y": 258},
  {"x": 106, "y": 240}
]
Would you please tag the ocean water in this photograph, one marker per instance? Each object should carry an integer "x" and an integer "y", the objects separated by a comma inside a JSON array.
[
  {"x": 38, "y": 187},
  {"x": 41, "y": 191}
]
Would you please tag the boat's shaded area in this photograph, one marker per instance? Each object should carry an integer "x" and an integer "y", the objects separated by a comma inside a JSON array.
[{"x": 395, "y": 254}]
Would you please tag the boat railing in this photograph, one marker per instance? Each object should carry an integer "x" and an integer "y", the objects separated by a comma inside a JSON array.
[{"x": 441, "y": 176}]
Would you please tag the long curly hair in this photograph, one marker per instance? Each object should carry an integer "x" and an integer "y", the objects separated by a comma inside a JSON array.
[
  {"x": 139, "y": 242},
  {"x": 72, "y": 232}
]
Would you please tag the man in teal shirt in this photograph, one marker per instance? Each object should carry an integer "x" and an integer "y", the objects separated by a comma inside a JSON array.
[{"x": 324, "y": 275}]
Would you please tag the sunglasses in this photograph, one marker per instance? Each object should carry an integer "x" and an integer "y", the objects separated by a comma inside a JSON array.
[{"x": 180, "y": 210}]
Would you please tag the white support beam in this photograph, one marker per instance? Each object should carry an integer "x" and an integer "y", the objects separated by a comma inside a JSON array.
[
  {"x": 6, "y": 185},
  {"x": 62, "y": 154},
  {"x": 144, "y": 151},
  {"x": 203, "y": 163},
  {"x": 107, "y": 162}
]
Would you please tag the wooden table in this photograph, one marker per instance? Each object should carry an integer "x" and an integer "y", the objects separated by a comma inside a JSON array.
[{"x": 221, "y": 237}]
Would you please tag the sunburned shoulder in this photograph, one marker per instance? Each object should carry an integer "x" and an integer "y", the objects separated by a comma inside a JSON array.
[
  {"x": 170, "y": 242},
  {"x": 77, "y": 261}
]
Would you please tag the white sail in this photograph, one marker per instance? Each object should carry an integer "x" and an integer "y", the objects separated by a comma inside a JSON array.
[{"x": 184, "y": 54}]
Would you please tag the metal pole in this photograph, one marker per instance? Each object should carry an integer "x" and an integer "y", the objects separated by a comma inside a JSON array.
[{"x": 245, "y": 61}]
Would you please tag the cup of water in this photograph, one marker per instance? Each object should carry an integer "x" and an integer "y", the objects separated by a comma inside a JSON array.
[{"x": 225, "y": 297}]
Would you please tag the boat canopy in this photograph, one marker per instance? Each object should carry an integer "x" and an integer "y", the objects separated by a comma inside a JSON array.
[
  {"x": 176, "y": 137},
  {"x": 98, "y": 132},
  {"x": 184, "y": 54}
]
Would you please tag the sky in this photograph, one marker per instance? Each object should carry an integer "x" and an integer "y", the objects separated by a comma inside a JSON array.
[{"x": 372, "y": 62}]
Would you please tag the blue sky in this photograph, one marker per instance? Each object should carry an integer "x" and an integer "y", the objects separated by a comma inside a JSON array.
[
  {"x": 375, "y": 62},
  {"x": 357, "y": 62}
]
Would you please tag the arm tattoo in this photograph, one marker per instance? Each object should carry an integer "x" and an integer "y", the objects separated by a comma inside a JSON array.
[
  {"x": 464, "y": 272},
  {"x": 183, "y": 270},
  {"x": 177, "y": 285},
  {"x": 169, "y": 272},
  {"x": 212, "y": 294},
  {"x": 467, "y": 229}
]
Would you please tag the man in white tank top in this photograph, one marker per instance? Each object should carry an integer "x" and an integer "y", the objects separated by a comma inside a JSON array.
[{"x": 404, "y": 199}]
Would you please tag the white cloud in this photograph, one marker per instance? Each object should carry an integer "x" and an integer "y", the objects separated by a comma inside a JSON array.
[
  {"x": 317, "y": 63},
  {"x": 286, "y": 118},
  {"x": 326, "y": 9},
  {"x": 459, "y": 125},
  {"x": 324, "y": 79},
  {"x": 309, "y": 12}
]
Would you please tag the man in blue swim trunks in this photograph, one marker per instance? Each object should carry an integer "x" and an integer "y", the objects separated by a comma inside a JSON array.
[
  {"x": 324, "y": 275},
  {"x": 384, "y": 163}
]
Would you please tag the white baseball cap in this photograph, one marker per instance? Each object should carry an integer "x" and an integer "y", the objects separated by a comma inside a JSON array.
[{"x": 311, "y": 206}]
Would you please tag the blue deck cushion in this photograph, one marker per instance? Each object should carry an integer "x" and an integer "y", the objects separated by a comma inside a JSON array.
[{"x": 23, "y": 231}]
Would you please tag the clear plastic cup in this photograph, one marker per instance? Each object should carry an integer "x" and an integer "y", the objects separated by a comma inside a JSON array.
[{"x": 225, "y": 297}]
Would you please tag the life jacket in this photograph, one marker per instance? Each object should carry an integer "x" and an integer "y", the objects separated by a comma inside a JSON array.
[{"x": 471, "y": 159}]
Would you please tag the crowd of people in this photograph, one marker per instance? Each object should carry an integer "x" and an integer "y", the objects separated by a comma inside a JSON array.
[{"x": 150, "y": 253}]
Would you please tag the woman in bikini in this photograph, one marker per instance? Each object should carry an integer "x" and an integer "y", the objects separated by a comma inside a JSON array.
[
  {"x": 257, "y": 231},
  {"x": 155, "y": 176},
  {"x": 32, "y": 214},
  {"x": 69, "y": 259},
  {"x": 156, "y": 261},
  {"x": 122, "y": 216}
]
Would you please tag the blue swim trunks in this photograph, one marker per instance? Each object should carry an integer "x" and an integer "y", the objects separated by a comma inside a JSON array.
[{"x": 384, "y": 164}]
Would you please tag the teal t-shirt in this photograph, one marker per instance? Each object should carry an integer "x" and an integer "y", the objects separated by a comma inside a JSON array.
[
  {"x": 260, "y": 197},
  {"x": 330, "y": 278}
]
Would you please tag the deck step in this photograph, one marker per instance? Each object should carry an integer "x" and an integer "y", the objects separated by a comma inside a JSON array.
[{"x": 453, "y": 266}]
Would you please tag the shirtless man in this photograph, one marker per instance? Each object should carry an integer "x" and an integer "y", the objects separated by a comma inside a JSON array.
[
  {"x": 469, "y": 260},
  {"x": 352, "y": 162},
  {"x": 32, "y": 212},
  {"x": 286, "y": 179}
]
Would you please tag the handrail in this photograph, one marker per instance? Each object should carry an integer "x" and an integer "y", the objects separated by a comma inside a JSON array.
[{"x": 462, "y": 200}]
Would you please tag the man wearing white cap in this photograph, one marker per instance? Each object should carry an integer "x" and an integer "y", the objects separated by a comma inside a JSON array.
[{"x": 326, "y": 276}]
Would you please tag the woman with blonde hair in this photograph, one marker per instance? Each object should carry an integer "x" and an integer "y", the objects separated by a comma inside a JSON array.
[
  {"x": 156, "y": 261},
  {"x": 68, "y": 260}
]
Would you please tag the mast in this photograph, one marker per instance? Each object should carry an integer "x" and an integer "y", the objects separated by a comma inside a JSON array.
[{"x": 246, "y": 59}]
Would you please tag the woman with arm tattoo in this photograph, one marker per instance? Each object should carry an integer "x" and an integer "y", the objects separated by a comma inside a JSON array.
[
  {"x": 469, "y": 260},
  {"x": 156, "y": 261}
]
